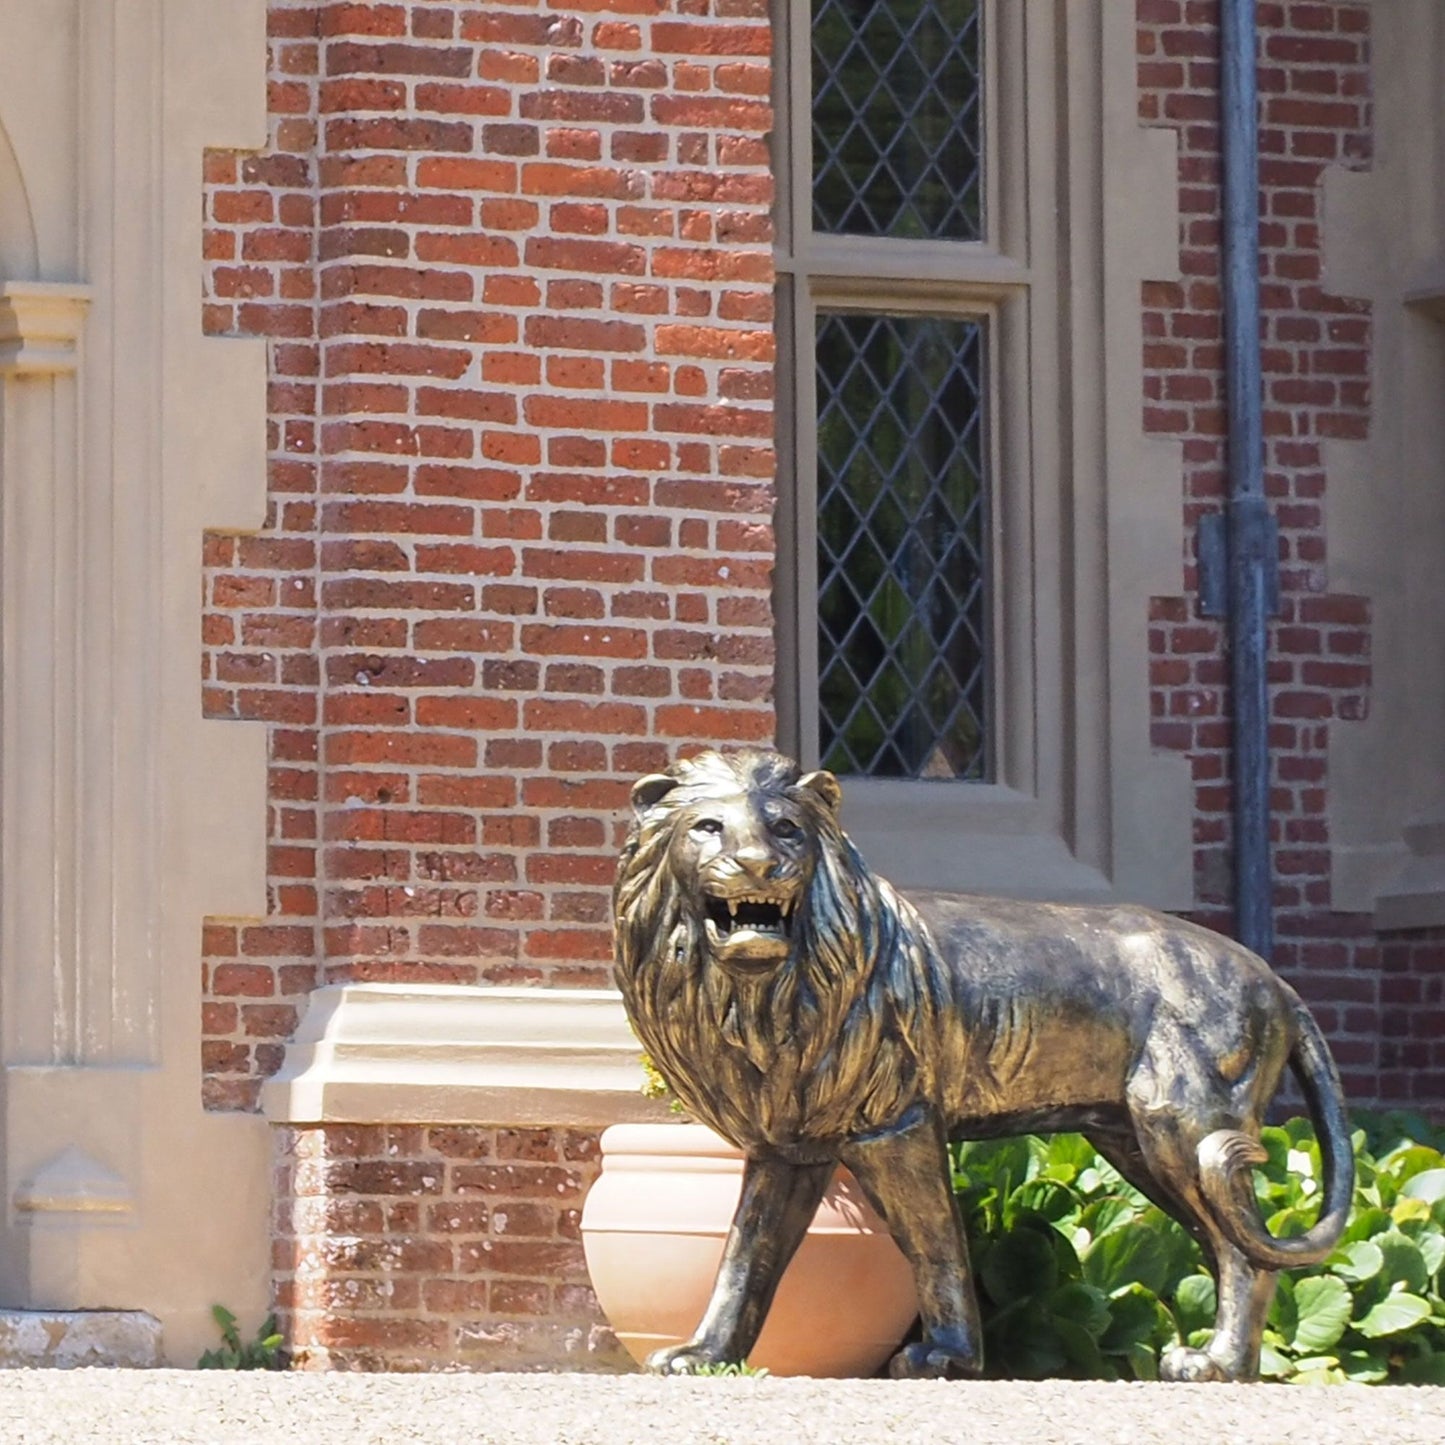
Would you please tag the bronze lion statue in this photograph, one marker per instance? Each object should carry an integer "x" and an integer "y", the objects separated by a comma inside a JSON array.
[{"x": 811, "y": 1014}]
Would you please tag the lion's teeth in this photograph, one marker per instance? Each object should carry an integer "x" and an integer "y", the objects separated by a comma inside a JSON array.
[{"x": 733, "y": 908}]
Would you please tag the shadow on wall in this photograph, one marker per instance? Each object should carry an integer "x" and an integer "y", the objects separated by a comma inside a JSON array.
[{"x": 19, "y": 252}]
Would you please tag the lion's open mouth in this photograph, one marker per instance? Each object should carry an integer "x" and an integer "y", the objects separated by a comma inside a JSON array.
[
  {"x": 749, "y": 930},
  {"x": 754, "y": 915}
]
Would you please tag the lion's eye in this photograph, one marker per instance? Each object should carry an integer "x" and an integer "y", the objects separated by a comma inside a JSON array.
[
  {"x": 708, "y": 825},
  {"x": 786, "y": 829}
]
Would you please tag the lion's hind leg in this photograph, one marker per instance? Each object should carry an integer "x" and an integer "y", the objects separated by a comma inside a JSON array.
[
  {"x": 1123, "y": 1152},
  {"x": 1167, "y": 1136}
]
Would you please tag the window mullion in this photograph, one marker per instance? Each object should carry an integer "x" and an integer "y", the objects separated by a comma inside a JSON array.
[
  {"x": 804, "y": 556},
  {"x": 799, "y": 121}
]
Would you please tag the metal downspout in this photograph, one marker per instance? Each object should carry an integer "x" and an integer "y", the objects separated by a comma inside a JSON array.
[{"x": 1252, "y": 583}]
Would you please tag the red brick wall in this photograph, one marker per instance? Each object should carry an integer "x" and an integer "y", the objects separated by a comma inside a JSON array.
[
  {"x": 1412, "y": 1017},
  {"x": 513, "y": 265},
  {"x": 1315, "y": 87},
  {"x": 402, "y": 1247},
  {"x": 511, "y": 262}
]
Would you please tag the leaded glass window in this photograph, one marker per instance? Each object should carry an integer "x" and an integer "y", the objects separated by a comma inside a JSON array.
[
  {"x": 948, "y": 282},
  {"x": 901, "y": 506},
  {"x": 896, "y": 119},
  {"x": 880, "y": 241}
]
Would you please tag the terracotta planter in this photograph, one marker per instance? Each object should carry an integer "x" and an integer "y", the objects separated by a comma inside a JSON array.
[{"x": 653, "y": 1228}]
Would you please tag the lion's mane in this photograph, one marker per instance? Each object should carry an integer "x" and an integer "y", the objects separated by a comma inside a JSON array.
[{"x": 819, "y": 1047}]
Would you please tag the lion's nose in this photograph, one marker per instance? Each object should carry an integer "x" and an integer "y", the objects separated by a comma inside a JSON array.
[{"x": 757, "y": 861}]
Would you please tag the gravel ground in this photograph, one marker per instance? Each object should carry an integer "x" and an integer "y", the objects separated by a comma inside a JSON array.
[{"x": 178, "y": 1407}]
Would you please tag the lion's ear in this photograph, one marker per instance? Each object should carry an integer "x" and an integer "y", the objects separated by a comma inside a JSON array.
[
  {"x": 648, "y": 792},
  {"x": 825, "y": 787}
]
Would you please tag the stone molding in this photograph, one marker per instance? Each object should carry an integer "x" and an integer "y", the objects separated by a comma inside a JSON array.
[
  {"x": 40, "y": 324},
  {"x": 377, "y": 1053},
  {"x": 74, "y": 1183},
  {"x": 124, "y": 432},
  {"x": 1414, "y": 896}
]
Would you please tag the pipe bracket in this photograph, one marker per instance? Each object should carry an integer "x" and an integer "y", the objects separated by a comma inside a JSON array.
[{"x": 1262, "y": 543}]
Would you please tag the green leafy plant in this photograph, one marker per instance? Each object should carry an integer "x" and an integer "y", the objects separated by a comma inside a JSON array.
[
  {"x": 262, "y": 1353},
  {"x": 1373, "y": 1311},
  {"x": 654, "y": 1086},
  {"x": 727, "y": 1369},
  {"x": 1080, "y": 1276}
]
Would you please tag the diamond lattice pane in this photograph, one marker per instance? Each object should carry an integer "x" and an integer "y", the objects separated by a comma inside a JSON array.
[
  {"x": 896, "y": 118},
  {"x": 902, "y": 577}
]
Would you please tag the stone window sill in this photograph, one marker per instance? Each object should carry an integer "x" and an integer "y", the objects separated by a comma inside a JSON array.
[{"x": 445, "y": 1054}]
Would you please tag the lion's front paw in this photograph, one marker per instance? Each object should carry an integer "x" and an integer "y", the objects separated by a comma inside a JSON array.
[
  {"x": 685, "y": 1359},
  {"x": 928, "y": 1360},
  {"x": 1191, "y": 1367}
]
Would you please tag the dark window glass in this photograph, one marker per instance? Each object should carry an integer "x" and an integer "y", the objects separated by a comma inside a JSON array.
[
  {"x": 896, "y": 106},
  {"x": 902, "y": 574}
]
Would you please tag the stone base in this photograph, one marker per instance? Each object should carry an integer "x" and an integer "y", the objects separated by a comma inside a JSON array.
[{"x": 68, "y": 1339}]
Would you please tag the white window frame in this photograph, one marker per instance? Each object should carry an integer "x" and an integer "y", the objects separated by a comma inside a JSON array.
[{"x": 1043, "y": 826}]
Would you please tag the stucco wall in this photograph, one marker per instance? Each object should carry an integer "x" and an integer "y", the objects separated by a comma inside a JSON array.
[{"x": 125, "y": 815}]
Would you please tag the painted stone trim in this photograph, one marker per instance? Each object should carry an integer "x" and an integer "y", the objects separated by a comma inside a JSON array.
[
  {"x": 446, "y": 1054},
  {"x": 123, "y": 811},
  {"x": 40, "y": 326}
]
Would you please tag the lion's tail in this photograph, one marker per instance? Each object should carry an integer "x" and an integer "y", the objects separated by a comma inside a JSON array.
[{"x": 1226, "y": 1158}]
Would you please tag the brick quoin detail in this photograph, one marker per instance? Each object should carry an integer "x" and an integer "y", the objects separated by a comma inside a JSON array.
[
  {"x": 1315, "y": 94},
  {"x": 260, "y": 622},
  {"x": 513, "y": 266}
]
